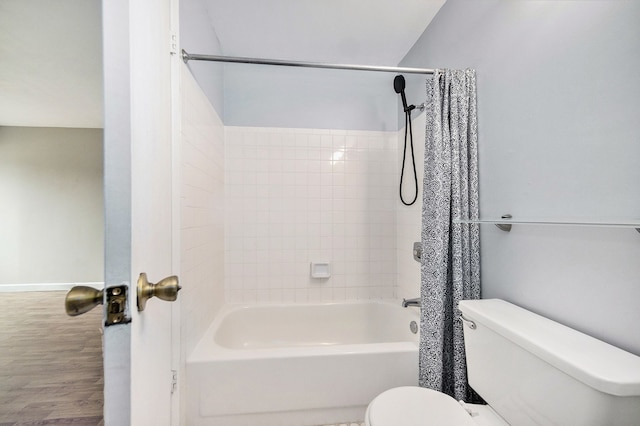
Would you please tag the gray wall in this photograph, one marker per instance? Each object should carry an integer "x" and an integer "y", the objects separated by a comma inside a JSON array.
[
  {"x": 197, "y": 35},
  {"x": 558, "y": 106},
  {"x": 309, "y": 98},
  {"x": 51, "y": 215},
  {"x": 268, "y": 96}
]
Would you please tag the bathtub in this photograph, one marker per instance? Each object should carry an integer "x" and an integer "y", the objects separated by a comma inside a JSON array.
[{"x": 299, "y": 364}]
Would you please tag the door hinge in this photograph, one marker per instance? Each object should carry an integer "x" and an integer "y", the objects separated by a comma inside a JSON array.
[
  {"x": 173, "y": 47},
  {"x": 174, "y": 380}
]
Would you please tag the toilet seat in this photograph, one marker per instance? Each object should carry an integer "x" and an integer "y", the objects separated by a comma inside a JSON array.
[{"x": 415, "y": 406}]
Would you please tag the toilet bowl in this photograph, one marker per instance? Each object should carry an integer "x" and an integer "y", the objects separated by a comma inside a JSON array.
[
  {"x": 530, "y": 370},
  {"x": 414, "y": 406}
]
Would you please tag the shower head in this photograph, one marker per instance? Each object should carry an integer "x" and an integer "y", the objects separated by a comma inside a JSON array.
[{"x": 398, "y": 86}]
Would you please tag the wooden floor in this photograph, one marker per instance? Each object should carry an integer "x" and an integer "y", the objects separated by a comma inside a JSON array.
[{"x": 50, "y": 364}]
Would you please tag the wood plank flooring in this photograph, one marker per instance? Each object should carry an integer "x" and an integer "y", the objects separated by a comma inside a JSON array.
[{"x": 50, "y": 363}]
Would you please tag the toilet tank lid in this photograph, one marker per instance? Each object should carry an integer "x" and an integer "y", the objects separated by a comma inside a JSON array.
[{"x": 593, "y": 362}]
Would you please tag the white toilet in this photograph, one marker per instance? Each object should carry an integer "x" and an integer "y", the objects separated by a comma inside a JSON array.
[{"x": 530, "y": 370}]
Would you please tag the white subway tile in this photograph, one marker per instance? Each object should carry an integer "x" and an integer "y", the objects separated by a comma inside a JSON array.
[{"x": 310, "y": 209}]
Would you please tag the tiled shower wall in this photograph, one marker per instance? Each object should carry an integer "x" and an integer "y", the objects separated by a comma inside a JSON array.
[
  {"x": 409, "y": 218},
  {"x": 202, "y": 212},
  {"x": 295, "y": 196}
]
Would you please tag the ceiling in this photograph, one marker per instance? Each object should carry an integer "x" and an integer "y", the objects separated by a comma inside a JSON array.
[{"x": 50, "y": 51}]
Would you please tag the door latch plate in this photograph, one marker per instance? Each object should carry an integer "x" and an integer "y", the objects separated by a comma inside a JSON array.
[{"x": 117, "y": 305}]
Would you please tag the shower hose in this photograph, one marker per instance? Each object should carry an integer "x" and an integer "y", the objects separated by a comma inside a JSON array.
[{"x": 407, "y": 127}]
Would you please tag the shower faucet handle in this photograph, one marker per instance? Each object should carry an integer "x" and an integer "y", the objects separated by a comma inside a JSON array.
[{"x": 417, "y": 251}]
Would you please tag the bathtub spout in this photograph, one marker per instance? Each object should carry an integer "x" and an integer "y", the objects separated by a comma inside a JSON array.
[{"x": 411, "y": 302}]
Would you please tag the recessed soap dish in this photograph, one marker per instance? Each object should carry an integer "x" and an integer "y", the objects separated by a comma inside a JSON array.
[{"x": 320, "y": 270}]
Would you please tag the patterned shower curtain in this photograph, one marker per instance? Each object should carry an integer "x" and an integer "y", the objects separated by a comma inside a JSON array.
[{"x": 450, "y": 267}]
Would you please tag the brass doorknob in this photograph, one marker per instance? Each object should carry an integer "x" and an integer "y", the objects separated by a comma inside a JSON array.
[
  {"x": 81, "y": 299},
  {"x": 167, "y": 289}
]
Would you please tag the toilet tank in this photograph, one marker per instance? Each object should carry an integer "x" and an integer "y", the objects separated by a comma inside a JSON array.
[{"x": 532, "y": 370}]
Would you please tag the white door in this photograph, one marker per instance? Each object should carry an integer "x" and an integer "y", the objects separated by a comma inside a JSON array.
[{"x": 140, "y": 219}]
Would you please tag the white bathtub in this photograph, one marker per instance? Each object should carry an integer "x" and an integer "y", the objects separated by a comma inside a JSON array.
[{"x": 299, "y": 364}]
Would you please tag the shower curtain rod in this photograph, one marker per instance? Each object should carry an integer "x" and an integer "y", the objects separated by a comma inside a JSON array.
[{"x": 186, "y": 57}]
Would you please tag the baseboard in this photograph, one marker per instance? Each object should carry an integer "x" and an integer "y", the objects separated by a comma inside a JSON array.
[{"x": 7, "y": 288}]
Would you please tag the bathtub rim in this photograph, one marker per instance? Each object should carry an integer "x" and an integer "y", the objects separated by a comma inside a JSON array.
[{"x": 207, "y": 349}]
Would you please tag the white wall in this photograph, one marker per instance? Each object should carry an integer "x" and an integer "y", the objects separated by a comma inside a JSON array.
[
  {"x": 557, "y": 105},
  {"x": 51, "y": 215},
  {"x": 301, "y": 195}
]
